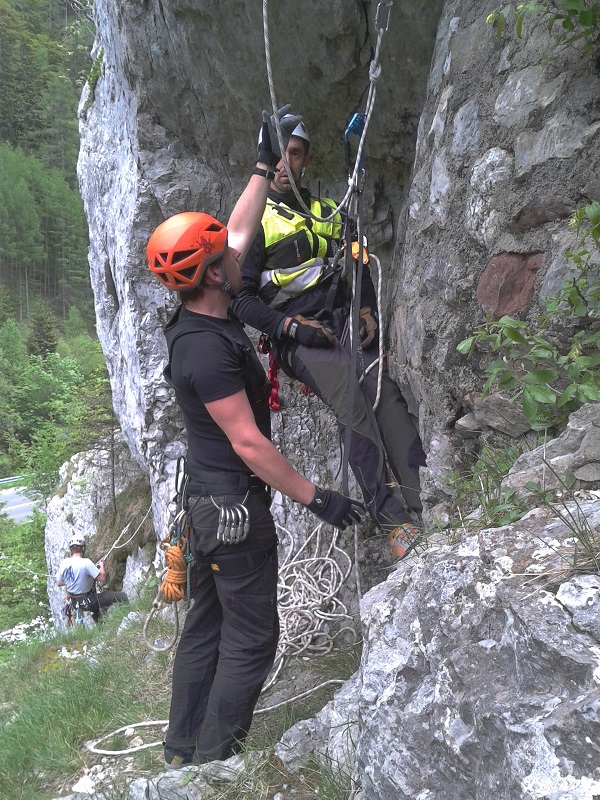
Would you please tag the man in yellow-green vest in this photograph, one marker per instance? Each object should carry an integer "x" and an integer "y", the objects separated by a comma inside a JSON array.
[{"x": 295, "y": 292}]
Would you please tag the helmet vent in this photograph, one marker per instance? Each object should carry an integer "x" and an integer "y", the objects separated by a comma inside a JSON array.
[
  {"x": 181, "y": 255},
  {"x": 188, "y": 272}
]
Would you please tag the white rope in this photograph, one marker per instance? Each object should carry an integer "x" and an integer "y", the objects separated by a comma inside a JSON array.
[
  {"x": 374, "y": 74},
  {"x": 307, "y": 598},
  {"x": 378, "y": 362},
  {"x": 117, "y": 546},
  {"x": 93, "y": 746}
]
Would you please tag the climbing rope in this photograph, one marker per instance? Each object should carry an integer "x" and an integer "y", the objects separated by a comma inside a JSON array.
[
  {"x": 307, "y": 589},
  {"x": 378, "y": 362},
  {"x": 174, "y": 580},
  {"x": 116, "y": 545},
  {"x": 374, "y": 75}
]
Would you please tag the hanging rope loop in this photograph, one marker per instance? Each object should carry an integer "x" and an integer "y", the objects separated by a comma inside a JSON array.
[{"x": 374, "y": 73}]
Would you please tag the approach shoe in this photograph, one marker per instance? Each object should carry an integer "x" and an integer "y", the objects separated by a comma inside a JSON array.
[
  {"x": 178, "y": 759},
  {"x": 404, "y": 538}
]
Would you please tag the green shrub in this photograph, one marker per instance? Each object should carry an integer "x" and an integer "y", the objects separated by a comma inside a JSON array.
[
  {"x": 549, "y": 375},
  {"x": 569, "y": 21}
]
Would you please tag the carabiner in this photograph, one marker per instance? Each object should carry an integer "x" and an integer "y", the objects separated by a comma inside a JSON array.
[{"x": 389, "y": 6}]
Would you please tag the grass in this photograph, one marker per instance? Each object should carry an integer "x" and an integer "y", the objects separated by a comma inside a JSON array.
[
  {"x": 50, "y": 706},
  {"x": 57, "y": 704},
  {"x": 266, "y": 776},
  {"x": 479, "y": 487},
  {"x": 586, "y": 553}
]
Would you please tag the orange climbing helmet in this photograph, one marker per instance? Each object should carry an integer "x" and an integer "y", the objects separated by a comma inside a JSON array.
[{"x": 182, "y": 247}]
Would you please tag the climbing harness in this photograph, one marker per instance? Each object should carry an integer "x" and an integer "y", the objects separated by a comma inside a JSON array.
[
  {"x": 174, "y": 580},
  {"x": 74, "y": 608}
]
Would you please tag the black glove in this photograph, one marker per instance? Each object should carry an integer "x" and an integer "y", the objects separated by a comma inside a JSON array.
[
  {"x": 268, "y": 144},
  {"x": 309, "y": 332},
  {"x": 335, "y": 508}
]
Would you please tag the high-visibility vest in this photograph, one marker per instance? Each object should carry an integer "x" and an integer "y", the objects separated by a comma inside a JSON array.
[{"x": 297, "y": 249}]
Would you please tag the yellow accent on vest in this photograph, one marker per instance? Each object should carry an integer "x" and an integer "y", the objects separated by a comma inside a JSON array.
[
  {"x": 280, "y": 223},
  {"x": 215, "y": 567},
  {"x": 277, "y": 226}
]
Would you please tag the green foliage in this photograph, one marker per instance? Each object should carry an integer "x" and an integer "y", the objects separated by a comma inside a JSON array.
[
  {"x": 44, "y": 49},
  {"x": 7, "y": 308},
  {"x": 50, "y": 705},
  {"x": 51, "y": 405},
  {"x": 480, "y": 487},
  {"x": 569, "y": 21},
  {"x": 43, "y": 235},
  {"x": 548, "y": 376},
  {"x": 23, "y": 569},
  {"x": 43, "y": 331}
]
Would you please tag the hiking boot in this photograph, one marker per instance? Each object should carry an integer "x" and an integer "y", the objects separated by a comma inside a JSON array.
[
  {"x": 178, "y": 759},
  {"x": 404, "y": 538}
]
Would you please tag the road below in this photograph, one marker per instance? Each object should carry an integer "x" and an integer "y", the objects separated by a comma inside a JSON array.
[{"x": 16, "y": 505}]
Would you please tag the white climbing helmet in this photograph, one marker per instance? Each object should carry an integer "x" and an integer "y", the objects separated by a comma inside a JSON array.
[
  {"x": 76, "y": 540},
  {"x": 300, "y": 130}
]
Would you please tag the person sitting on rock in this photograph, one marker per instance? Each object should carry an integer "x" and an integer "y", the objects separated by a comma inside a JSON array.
[{"x": 79, "y": 575}]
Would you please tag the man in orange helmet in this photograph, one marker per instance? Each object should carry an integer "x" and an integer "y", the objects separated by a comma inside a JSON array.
[{"x": 230, "y": 636}]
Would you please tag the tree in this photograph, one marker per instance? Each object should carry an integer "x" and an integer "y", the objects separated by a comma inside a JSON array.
[{"x": 43, "y": 329}]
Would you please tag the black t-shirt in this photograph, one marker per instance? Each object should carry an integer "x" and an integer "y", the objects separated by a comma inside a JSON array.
[{"x": 209, "y": 365}]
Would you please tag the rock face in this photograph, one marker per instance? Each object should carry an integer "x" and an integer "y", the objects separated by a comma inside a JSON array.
[
  {"x": 576, "y": 453},
  {"x": 507, "y": 145},
  {"x": 501, "y": 141},
  {"x": 171, "y": 125},
  {"x": 475, "y": 682},
  {"x": 480, "y": 675}
]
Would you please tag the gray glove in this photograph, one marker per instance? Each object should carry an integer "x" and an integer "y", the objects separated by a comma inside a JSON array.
[
  {"x": 335, "y": 508},
  {"x": 268, "y": 144}
]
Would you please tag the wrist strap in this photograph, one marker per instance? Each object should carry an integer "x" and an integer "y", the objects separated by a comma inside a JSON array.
[{"x": 264, "y": 173}]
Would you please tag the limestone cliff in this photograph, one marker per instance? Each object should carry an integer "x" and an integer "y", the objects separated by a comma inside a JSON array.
[
  {"x": 478, "y": 151},
  {"x": 171, "y": 125}
]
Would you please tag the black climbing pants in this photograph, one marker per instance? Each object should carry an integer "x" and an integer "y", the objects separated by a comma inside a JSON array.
[
  {"x": 398, "y": 431},
  {"x": 98, "y": 604},
  {"x": 229, "y": 639}
]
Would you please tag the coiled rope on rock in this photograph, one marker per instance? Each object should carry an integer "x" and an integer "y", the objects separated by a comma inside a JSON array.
[{"x": 307, "y": 598}]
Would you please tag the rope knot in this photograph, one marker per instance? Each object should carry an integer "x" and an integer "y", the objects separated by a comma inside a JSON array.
[{"x": 374, "y": 71}]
